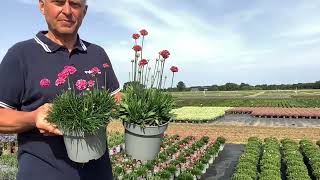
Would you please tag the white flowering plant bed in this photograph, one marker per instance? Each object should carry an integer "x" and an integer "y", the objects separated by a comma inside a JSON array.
[{"x": 198, "y": 114}]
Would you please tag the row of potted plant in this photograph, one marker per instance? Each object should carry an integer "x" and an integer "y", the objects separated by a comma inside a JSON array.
[
  {"x": 311, "y": 152},
  {"x": 178, "y": 164},
  {"x": 115, "y": 139},
  {"x": 124, "y": 164},
  {"x": 318, "y": 142},
  {"x": 196, "y": 168},
  {"x": 293, "y": 160},
  {"x": 196, "y": 121},
  {"x": 8, "y": 166},
  {"x": 7, "y": 143},
  {"x": 187, "y": 155},
  {"x": 270, "y": 163},
  {"x": 247, "y": 167},
  {"x": 202, "y": 164}
]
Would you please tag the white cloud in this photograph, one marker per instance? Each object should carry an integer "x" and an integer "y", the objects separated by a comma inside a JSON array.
[
  {"x": 186, "y": 35},
  {"x": 262, "y": 35},
  {"x": 193, "y": 39},
  {"x": 302, "y": 30}
]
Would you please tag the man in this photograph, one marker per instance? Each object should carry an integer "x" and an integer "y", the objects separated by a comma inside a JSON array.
[{"x": 42, "y": 154}]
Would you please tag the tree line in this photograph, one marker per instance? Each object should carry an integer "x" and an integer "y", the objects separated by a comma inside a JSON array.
[{"x": 244, "y": 86}]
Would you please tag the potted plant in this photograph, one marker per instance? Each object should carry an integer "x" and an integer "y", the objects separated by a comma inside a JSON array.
[
  {"x": 186, "y": 176},
  {"x": 118, "y": 172},
  {"x": 145, "y": 108},
  {"x": 82, "y": 113},
  {"x": 196, "y": 172},
  {"x": 172, "y": 169}
]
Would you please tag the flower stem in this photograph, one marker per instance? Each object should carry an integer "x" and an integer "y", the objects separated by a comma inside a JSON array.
[
  {"x": 162, "y": 67},
  {"x": 135, "y": 67},
  {"x": 105, "y": 79},
  {"x": 172, "y": 79},
  {"x": 155, "y": 72},
  {"x": 97, "y": 83},
  {"x": 141, "y": 47},
  {"x": 164, "y": 82},
  {"x": 69, "y": 88},
  {"x": 129, "y": 77},
  {"x": 132, "y": 70}
]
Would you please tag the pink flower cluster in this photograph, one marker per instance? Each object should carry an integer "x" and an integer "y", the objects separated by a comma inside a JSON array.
[
  {"x": 164, "y": 53},
  {"x": 174, "y": 69},
  {"x": 95, "y": 71},
  {"x": 143, "y": 62},
  {"x": 64, "y": 74},
  {"x": 81, "y": 84},
  {"x": 44, "y": 83}
]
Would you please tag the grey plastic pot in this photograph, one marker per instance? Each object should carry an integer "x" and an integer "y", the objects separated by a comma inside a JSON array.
[
  {"x": 143, "y": 143},
  {"x": 82, "y": 147}
]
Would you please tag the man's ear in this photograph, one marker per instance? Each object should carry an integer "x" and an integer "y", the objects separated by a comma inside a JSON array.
[
  {"x": 41, "y": 6},
  {"x": 85, "y": 11}
]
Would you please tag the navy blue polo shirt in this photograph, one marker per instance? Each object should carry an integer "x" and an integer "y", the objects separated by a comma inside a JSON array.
[{"x": 25, "y": 64}]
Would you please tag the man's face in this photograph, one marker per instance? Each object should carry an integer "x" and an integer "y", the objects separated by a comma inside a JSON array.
[{"x": 63, "y": 16}]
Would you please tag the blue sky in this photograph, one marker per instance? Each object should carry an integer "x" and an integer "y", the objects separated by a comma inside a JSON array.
[{"x": 211, "y": 41}]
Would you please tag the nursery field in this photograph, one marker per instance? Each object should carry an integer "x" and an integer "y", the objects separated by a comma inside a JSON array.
[
  {"x": 193, "y": 145},
  {"x": 278, "y": 159},
  {"x": 196, "y": 150},
  {"x": 233, "y": 133},
  {"x": 265, "y": 98},
  {"x": 249, "y": 94}
]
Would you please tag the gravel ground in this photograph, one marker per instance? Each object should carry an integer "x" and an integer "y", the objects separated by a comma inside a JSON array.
[{"x": 248, "y": 120}]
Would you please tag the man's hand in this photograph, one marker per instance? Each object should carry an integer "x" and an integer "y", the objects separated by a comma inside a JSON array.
[
  {"x": 45, "y": 127},
  {"x": 118, "y": 97}
]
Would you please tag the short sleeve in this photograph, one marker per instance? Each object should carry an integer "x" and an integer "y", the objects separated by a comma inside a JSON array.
[
  {"x": 112, "y": 81},
  {"x": 11, "y": 80}
]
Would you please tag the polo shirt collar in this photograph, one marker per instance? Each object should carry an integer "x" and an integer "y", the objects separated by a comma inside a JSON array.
[{"x": 49, "y": 46}]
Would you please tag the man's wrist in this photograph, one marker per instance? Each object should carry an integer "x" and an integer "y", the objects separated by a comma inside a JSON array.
[{"x": 31, "y": 116}]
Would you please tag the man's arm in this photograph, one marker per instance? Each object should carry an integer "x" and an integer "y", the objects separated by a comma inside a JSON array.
[{"x": 12, "y": 121}]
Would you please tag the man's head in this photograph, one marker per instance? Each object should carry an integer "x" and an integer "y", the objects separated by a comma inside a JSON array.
[{"x": 64, "y": 17}]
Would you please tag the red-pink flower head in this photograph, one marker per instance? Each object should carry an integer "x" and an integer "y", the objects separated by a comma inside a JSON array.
[
  {"x": 70, "y": 69},
  {"x": 94, "y": 71},
  {"x": 165, "y": 54},
  {"x": 135, "y": 36},
  {"x": 143, "y": 32},
  {"x": 91, "y": 83},
  {"x": 45, "y": 83},
  {"x": 81, "y": 84},
  {"x": 60, "y": 81},
  {"x": 143, "y": 62},
  {"x": 106, "y": 65},
  {"x": 63, "y": 75},
  {"x": 137, "y": 48},
  {"x": 67, "y": 70},
  {"x": 174, "y": 69}
]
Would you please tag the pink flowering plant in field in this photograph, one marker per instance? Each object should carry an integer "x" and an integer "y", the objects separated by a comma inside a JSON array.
[
  {"x": 85, "y": 106},
  {"x": 144, "y": 102}
]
